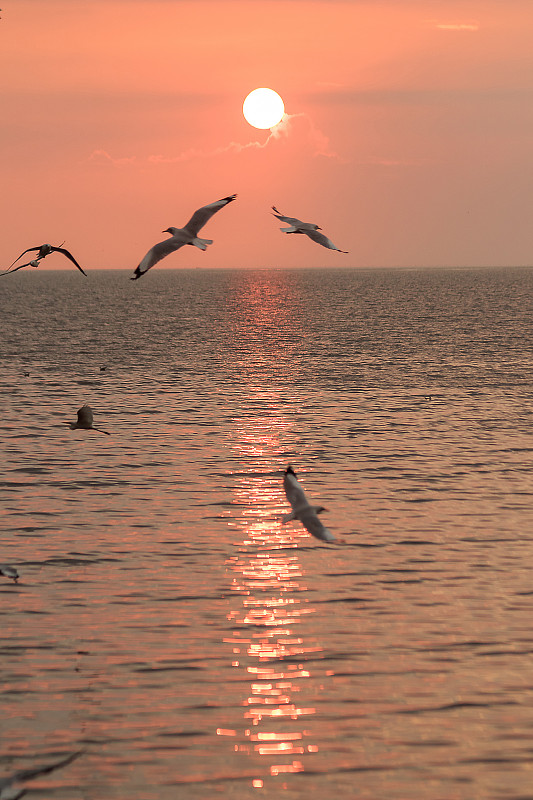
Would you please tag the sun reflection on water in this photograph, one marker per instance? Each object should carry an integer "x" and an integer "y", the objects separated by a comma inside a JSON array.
[{"x": 267, "y": 574}]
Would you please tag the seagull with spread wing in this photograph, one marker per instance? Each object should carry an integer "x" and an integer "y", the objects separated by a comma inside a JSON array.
[
  {"x": 85, "y": 421},
  {"x": 43, "y": 251},
  {"x": 309, "y": 228},
  {"x": 181, "y": 236},
  {"x": 34, "y": 263},
  {"x": 301, "y": 508}
]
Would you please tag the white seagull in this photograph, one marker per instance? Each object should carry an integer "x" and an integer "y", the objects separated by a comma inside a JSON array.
[
  {"x": 8, "y": 786},
  {"x": 85, "y": 421},
  {"x": 309, "y": 228},
  {"x": 44, "y": 250},
  {"x": 9, "y": 572},
  {"x": 302, "y": 510},
  {"x": 180, "y": 236}
]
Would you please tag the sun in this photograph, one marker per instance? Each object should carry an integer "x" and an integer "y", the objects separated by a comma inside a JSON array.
[{"x": 263, "y": 108}]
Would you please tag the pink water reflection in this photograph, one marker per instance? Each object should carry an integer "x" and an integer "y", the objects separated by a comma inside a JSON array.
[{"x": 267, "y": 643}]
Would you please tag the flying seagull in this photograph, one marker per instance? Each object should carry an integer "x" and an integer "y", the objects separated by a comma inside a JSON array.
[
  {"x": 85, "y": 421},
  {"x": 9, "y": 572},
  {"x": 8, "y": 786},
  {"x": 302, "y": 510},
  {"x": 311, "y": 230},
  {"x": 43, "y": 251},
  {"x": 34, "y": 263},
  {"x": 181, "y": 236}
]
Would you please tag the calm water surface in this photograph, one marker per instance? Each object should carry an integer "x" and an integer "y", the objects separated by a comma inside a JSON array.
[{"x": 169, "y": 625}]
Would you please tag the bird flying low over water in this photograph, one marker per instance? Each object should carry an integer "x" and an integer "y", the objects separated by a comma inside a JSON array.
[
  {"x": 34, "y": 263},
  {"x": 85, "y": 421},
  {"x": 8, "y": 786},
  {"x": 9, "y": 572},
  {"x": 302, "y": 510},
  {"x": 309, "y": 228},
  {"x": 180, "y": 236},
  {"x": 44, "y": 250}
]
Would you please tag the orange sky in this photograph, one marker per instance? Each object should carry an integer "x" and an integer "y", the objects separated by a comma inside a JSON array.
[{"x": 408, "y": 139}]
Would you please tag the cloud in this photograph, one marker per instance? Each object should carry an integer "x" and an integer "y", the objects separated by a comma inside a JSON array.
[
  {"x": 288, "y": 127},
  {"x": 302, "y": 125},
  {"x": 103, "y": 157},
  {"x": 471, "y": 26},
  {"x": 292, "y": 126},
  {"x": 193, "y": 153}
]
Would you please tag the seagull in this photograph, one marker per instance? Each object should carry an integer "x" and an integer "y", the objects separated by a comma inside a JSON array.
[
  {"x": 307, "y": 514},
  {"x": 9, "y": 572},
  {"x": 85, "y": 421},
  {"x": 44, "y": 250},
  {"x": 8, "y": 786},
  {"x": 34, "y": 263},
  {"x": 311, "y": 230},
  {"x": 181, "y": 236}
]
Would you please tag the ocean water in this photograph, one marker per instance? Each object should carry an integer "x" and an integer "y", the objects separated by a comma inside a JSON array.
[{"x": 167, "y": 624}]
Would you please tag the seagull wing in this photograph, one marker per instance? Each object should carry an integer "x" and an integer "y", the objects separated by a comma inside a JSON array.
[
  {"x": 10, "y": 272},
  {"x": 8, "y": 790},
  {"x": 156, "y": 253},
  {"x": 297, "y": 224},
  {"x": 70, "y": 256},
  {"x": 202, "y": 215},
  {"x": 320, "y": 238},
  {"x": 293, "y": 491},
  {"x": 101, "y": 430},
  {"x": 289, "y": 220},
  {"x": 25, "y": 251},
  {"x": 28, "y": 774},
  {"x": 85, "y": 416},
  {"x": 309, "y": 519}
]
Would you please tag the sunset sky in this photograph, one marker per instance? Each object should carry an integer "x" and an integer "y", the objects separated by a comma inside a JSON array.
[{"x": 408, "y": 134}]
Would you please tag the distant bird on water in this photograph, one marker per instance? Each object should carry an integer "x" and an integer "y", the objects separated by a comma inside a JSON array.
[
  {"x": 302, "y": 510},
  {"x": 309, "y": 228},
  {"x": 180, "y": 236},
  {"x": 8, "y": 786},
  {"x": 85, "y": 422},
  {"x": 9, "y": 572},
  {"x": 44, "y": 250}
]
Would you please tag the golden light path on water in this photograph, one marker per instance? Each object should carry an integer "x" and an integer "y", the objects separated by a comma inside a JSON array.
[{"x": 268, "y": 575}]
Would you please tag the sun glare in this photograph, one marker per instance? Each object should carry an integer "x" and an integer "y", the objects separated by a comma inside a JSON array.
[{"x": 263, "y": 108}]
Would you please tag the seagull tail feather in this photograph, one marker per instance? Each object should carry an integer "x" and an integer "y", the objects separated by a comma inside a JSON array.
[
  {"x": 201, "y": 243},
  {"x": 292, "y": 229}
]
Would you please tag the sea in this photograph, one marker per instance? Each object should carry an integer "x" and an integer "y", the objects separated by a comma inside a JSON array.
[{"x": 171, "y": 631}]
